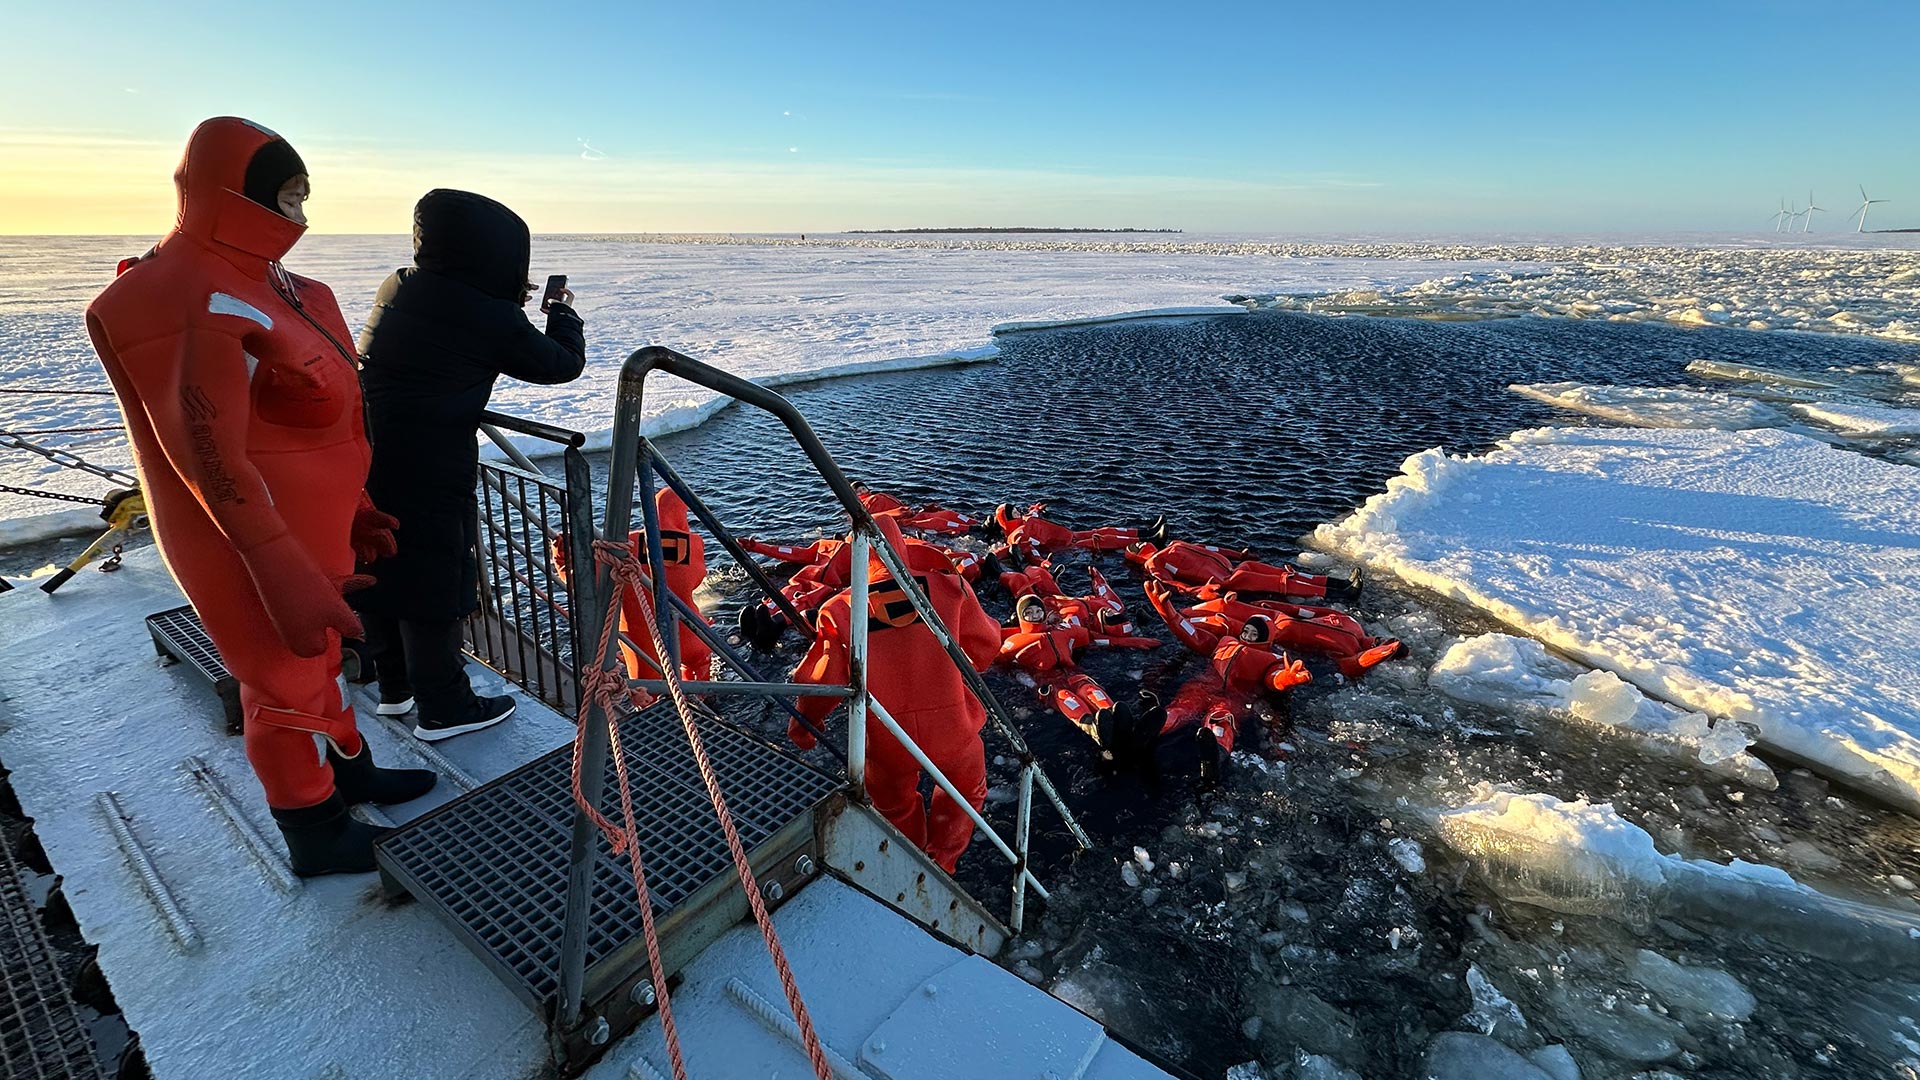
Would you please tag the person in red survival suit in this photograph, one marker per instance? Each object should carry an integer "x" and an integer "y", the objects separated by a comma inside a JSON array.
[
  {"x": 1032, "y": 536},
  {"x": 930, "y": 519},
  {"x": 685, "y": 554},
  {"x": 1046, "y": 648},
  {"x": 1298, "y": 627},
  {"x": 243, "y": 405},
  {"x": 1101, "y": 610},
  {"x": 826, "y": 569},
  {"x": 1246, "y": 663},
  {"x": 1188, "y": 567},
  {"x": 911, "y": 675}
]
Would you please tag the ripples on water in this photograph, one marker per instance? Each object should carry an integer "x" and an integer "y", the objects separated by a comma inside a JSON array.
[{"x": 1256, "y": 429}]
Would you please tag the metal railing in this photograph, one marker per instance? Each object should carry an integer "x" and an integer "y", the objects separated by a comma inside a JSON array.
[
  {"x": 635, "y": 464},
  {"x": 524, "y": 629}
]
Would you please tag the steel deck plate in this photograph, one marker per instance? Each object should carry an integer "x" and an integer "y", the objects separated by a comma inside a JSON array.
[
  {"x": 494, "y": 862},
  {"x": 41, "y": 1035}
]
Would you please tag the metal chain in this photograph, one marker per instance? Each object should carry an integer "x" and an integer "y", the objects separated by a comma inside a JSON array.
[
  {"x": 57, "y": 496},
  {"x": 113, "y": 560},
  {"x": 61, "y": 457}
]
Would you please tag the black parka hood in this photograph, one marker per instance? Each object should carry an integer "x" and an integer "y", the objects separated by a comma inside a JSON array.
[{"x": 473, "y": 240}]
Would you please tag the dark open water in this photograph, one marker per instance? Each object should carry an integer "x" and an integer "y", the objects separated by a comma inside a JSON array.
[{"x": 1285, "y": 904}]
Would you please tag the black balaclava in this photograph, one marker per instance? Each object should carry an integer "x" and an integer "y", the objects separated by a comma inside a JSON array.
[
  {"x": 272, "y": 166},
  {"x": 474, "y": 240}
]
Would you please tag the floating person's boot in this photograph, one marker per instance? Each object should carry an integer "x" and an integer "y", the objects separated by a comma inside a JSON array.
[
  {"x": 748, "y": 626},
  {"x": 1348, "y": 590},
  {"x": 357, "y": 779},
  {"x": 325, "y": 839},
  {"x": 1212, "y": 760},
  {"x": 1155, "y": 531}
]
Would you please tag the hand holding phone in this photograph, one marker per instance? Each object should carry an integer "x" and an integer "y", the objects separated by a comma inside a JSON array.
[{"x": 556, "y": 290}]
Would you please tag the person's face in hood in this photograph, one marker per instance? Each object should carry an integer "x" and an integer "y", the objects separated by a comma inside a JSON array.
[{"x": 292, "y": 198}]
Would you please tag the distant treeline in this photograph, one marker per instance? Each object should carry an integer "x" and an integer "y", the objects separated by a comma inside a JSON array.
[{"x": 1006, "y": 229}]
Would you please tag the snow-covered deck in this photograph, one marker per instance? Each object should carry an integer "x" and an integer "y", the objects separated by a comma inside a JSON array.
[{"x": 331, "y": 978}]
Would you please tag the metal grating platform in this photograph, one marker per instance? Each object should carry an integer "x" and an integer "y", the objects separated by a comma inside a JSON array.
[
  {"x": 177, "y": 632},
  {"x": 494, "y": 862},
  {"x": 41, "y": 1035}
]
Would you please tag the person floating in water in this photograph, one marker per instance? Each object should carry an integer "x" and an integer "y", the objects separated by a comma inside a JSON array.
[
  {"x": 1033, "y": 536},
  {"x": 1047, "y": 649},
  {"x": 1190, "y": 567},
  {"x": 928, "y": 519},
  {"x": 1246, "y": 666},
  {"x": 1102, "y": 610},
  {"x": 826, "y": 567},
  {"x": 1297, "y": 627}
]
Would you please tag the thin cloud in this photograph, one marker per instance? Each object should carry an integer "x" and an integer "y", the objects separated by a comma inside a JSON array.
[{"x": 590, "y": 152}]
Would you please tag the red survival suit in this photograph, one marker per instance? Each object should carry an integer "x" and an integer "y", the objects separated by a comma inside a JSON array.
[
  {"x": 826, "y": 567},
  {"x": 685, "y": 555},
  {"x": 1242, "y": 671},
  {"x": 1296, "y": 626},
  {"x": 911, "y": 675},
  {"x": 1188, "y": 567},
  {"x": 931, "y": 519},
  {"x": 1101, "y": 610},
  {"x": 242, "y": 401},
  {"x": 1033, "y": 536},
  {"x": 1046, "y": 649}
]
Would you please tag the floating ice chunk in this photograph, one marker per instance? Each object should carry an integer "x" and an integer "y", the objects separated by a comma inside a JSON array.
[
  {"x": 1248, "y": 1070},
  {"x": 1494, "y": 1013},
  {"x": 1519, "y": 675},
  {"x": 1463, "y": 1055},
  {"x": 1760, "y": 576},
  {"x": 1406, "y": 852},
  {"x": 1585, "y": 859},
  {"x": 1555, "y": 1061},
  {"x": 1319, "y": 1067},
  {"x": 1877, "y": 421},
  {"x": 1718, "y": 369},
  {"x": 1655, "y": 407},
  {"x": 1130, "y": 875},
  {"x": 1143, "y": 859},
  {"x": 1702, "y": 991}
]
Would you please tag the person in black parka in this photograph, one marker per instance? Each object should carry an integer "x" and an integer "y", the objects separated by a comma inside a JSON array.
[{"x": 440, "y": 333}]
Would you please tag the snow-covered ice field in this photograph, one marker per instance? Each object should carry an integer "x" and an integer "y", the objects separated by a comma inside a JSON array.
[
  {"x": 765, "y": 310},
  {"x": 1759, "y": 577}
]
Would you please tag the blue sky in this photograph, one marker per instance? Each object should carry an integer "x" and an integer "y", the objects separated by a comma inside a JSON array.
[{"x": 746, "y": 117}]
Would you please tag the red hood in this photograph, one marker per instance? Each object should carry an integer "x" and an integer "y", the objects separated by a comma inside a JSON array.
[
  {"x": 671, "y": 509},
  {"x": 210, "y": 178}
]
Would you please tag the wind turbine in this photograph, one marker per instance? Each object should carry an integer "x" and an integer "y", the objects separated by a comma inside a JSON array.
[
  {"x": 1811, "y": 210},
  {"x": 1793, "y": 217},
  {"x": 1862, "y": 212},
  {"x": 1780, "y": 218}
]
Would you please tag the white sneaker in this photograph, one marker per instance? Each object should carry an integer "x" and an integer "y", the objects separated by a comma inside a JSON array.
[{"x": 396, "y": 708}]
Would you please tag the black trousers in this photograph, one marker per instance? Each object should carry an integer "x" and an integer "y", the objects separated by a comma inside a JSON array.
[{"x": 422, "y": 659}]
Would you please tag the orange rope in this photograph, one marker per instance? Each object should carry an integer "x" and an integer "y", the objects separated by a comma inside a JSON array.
[
  {"x": 597, "y": 683},
  {"x": 600, "y": 684},
  {"x": 808, "y": 1038}
]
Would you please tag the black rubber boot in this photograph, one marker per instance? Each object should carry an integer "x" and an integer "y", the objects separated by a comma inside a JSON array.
[
  {"x": 990, "y": 565},
  {"x": 358, "y": 780},
  {"x": 325, "y": 839},
  {"x": 1348, "y": 590},
  {"x": 749, "y": 627},
  {"x": 1155, "y": 532}
]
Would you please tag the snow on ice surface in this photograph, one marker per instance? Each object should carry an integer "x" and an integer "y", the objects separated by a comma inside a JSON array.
[
  {"x": 766, "y": 309},
  {"x": 1863, "y": 420},
  {"x": 1874, "y": 292},
  {"x": 1655, "y": 407},
  {"x": 1757, "y": 576},
  {"x": 1518, "y": 674}
]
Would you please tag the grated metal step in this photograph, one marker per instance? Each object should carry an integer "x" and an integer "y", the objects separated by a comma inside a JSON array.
[
  {"x": 177, "y": 632},
  {"x": 493, "y": 862},
  {"x": 41, "y": 1034}
]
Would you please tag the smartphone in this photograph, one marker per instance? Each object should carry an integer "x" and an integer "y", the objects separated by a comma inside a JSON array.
[{"x": 556, "y": 284}]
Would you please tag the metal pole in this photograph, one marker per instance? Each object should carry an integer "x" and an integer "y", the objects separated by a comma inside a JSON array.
[
  {"x": 663, "y": 614},
  {"x": 590, "y": 590},
  {"x": 857, "y": 664},
  {"x": 506, "y": 447},
  {"x": 691, "y": 686},
  {"x": 897, "y": 566},
  {"x": 740, "y": 555},
  {"x": 1022, "y": 818},
  {"x": 880, "y": 713}
]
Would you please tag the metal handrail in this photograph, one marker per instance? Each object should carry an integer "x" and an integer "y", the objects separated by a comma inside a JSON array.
[{"x": 634, "y": 464}]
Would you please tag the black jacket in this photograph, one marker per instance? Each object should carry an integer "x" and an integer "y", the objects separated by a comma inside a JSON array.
[{"x": 440, "y": 333}]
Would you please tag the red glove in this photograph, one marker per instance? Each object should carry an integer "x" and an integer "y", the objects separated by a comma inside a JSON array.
[
  {"x": 303, "y": 604},
  {"x": 801, "y": 737},
  {"x": 372, "y": 534}
]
